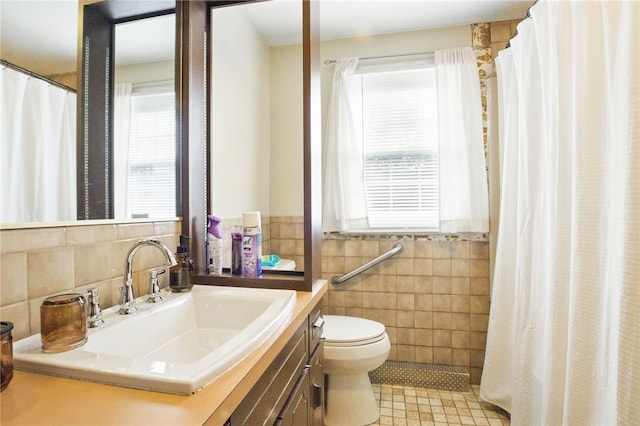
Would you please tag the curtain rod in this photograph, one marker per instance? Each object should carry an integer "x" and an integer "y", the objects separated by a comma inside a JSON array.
[
  {"x": 15, "y": 67},
  {"x": 333, "y": 61}
]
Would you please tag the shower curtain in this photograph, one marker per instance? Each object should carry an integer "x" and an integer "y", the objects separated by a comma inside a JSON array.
[
  {"x": 38, "y": 156},
  {"x": 563, "y": 345}
]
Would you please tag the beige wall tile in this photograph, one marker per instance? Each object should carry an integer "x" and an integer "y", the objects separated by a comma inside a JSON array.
[
  {"x": 424, "y": 302},
  {"x": 460, "y": 267},
  {"x": 479, "y": 268},
  {"x": 477, "y": 340},
  {"x": 92, "y": 263},
  {"x": 134, "y": 230},
  {"x": 441, "y": 267},
  {"x": 353, "y": 248},
  {"x": 424, "y": 354},
  {"x": 479, "y": 250},
  {"x": 388, "y": 283},
  {"x": 460, "y": 339},
  {"x": 460, "y": 321},
  {"x": 460, "y": 285},
  {"x": 441, "y": 249},
  {"x": 370, "y": 249},
  {"x": 405, "y": 284},
  {"x": 406, "y": 266},
  {"x": 18, "y": 314},
  {"x": 423, "y": 267},
  {"x": 405, "y": 336},
  {"x": 77, "y": 235},
  {"x": 389, "y": 317},
  {"x": 167, "y": 228},
  {"x": 353, "y": 299},
  {"x": 442, "y": 338},
  {"x": 406, "y": 353},
  {"x": 460, "y": 249},
  {"x": 423, "y": 337},
  {"x": 460, "y": 357},
  {"x": 17, "y": 240},
  {"x": 424, "y": 319},
  {"x": 479, "y": 286},
  {"x": 388, "y": 300},
  {"x": 460, "y": 303},
  {"x": 441, "y": 285},
  {"x": 405, "y": 301},
  {"x": 406, "y": 319},
  {"x": 442, "y": 303},
  {"x": 442, "y": 355},
  {"x": 50, "y": 272},
  {"x": 423, "y": 249},
  {"x": 442, "y": 320},
  {"x": 479, "y": 304},
  {"x": 13, "y": 278}
]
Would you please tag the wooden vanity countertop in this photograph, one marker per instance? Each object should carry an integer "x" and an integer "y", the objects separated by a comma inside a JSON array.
[{"x": 35, "y": 399}]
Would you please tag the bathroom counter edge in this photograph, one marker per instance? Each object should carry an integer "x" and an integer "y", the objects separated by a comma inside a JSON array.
[{"x": 36, "y": 399}]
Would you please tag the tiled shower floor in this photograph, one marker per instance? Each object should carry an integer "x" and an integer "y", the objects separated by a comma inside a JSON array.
[{"x": 409, "y": 406}]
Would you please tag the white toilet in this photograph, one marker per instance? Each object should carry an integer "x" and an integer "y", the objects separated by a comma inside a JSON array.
[{"x": 352, "y": 347}]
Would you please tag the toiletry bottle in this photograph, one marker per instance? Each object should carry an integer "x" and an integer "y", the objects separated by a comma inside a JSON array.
[
  {"x": 180, "y": 274},
  {"x": 251, "y": 245},
  {"x": 214, "y": 246},
  {"x": 236, "y": 250}
]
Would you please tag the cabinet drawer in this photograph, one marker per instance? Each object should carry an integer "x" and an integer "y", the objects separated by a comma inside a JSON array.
[
  {"x": 265, "y": 400},
  {"x": 316, "y": 327}
]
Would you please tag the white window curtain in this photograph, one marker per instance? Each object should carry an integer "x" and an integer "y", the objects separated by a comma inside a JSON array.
[
  {"x": 464, "y": 201},
  {"x": 344, "y": 206},
  {"x": 563, "y": 345},
  {"x": 38, "y": 157},
  {"x": 121, "y": 137}
]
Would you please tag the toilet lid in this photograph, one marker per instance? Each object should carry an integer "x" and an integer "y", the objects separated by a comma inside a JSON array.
[{"x": 349, "y": 331}]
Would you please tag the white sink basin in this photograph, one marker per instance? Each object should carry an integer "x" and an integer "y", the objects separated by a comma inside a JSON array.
[{"x": 178, "y": 346}]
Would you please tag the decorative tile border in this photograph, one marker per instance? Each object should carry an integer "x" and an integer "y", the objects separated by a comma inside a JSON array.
[{"x": 431, "y": 376}]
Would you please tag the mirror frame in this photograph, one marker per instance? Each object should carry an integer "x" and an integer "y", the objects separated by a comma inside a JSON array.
[
  {"x": 97, "y": 20},
  {"x": 194, "y": 18}
]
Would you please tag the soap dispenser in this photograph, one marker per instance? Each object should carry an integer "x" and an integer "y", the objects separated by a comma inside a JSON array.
[{"x": 181, "y": 273}]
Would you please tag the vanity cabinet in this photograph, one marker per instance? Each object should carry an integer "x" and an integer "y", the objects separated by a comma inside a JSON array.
[{"x": 291, "y": 390}]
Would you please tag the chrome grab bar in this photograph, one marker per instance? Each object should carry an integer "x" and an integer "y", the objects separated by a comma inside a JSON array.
[{"x": 397, "y": 248}]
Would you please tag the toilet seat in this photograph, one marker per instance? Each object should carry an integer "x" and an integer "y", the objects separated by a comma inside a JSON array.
[{"x": 343, "y": 331}]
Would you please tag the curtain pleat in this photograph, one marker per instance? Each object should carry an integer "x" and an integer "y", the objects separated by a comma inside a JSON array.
[
  {"x": 344, "y": 205},
  {"x": 464, "y": 199},
  {"x": 38, "y": 150},
  {"x": 563, "y": 345}
]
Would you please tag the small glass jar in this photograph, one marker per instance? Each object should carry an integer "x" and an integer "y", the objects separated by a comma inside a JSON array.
[
  {"x": 63, "y": 322},
  {"x": 6, "y": 354}
]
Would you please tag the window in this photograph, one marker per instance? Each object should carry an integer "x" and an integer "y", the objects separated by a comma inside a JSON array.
[
  {"x": 397, "y": 112},
  {"x": 152, "y": 155}
]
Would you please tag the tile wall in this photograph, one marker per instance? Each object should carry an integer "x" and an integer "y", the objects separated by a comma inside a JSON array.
[
  {"x": 40, "y": 262},
  {"x": 433, "y": 298}
]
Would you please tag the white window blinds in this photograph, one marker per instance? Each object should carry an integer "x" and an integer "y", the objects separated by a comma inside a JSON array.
[
  {"x": 399, "y": 118},
  {"x": 152, "y": 155}
]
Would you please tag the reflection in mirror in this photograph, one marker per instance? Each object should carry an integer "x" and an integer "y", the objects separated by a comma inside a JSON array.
[
  {"x": 144, "y": 119},
  {"x": 38, "y": 114},
  {"x": 42, "y": 37},
  {"x": 257, "y": 125}
]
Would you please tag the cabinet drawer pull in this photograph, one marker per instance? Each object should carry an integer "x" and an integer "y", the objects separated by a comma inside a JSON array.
[
  {"x": 319, "y": 322},
  {"x": 317, "y": 396}
]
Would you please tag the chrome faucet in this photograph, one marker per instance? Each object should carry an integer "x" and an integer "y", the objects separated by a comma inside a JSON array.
[{"x": 128, "y": 299}]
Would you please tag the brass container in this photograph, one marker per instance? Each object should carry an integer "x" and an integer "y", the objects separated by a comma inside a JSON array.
[
  {"x": 6, "y": 354},
  {"x": 63, "y": 322}
]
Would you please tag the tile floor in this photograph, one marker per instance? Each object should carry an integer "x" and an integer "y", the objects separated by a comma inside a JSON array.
[{"x": 409, "y": 406}]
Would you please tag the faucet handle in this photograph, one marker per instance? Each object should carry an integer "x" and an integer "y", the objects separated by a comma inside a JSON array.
[
  {"x": 94, "y": 318},
  {"x": 154, "y": 287}
]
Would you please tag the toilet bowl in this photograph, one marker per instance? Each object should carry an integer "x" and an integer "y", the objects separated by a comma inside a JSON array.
[{"x": 352, "y": 347}]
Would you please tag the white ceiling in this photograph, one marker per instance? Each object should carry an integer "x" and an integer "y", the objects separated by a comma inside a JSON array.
[{"x": 42, "y": 34}]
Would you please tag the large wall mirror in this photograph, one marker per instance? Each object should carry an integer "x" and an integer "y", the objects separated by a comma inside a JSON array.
[
  {"x": 257, "y": 124},
  {"x": 130, "y": 89}
]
